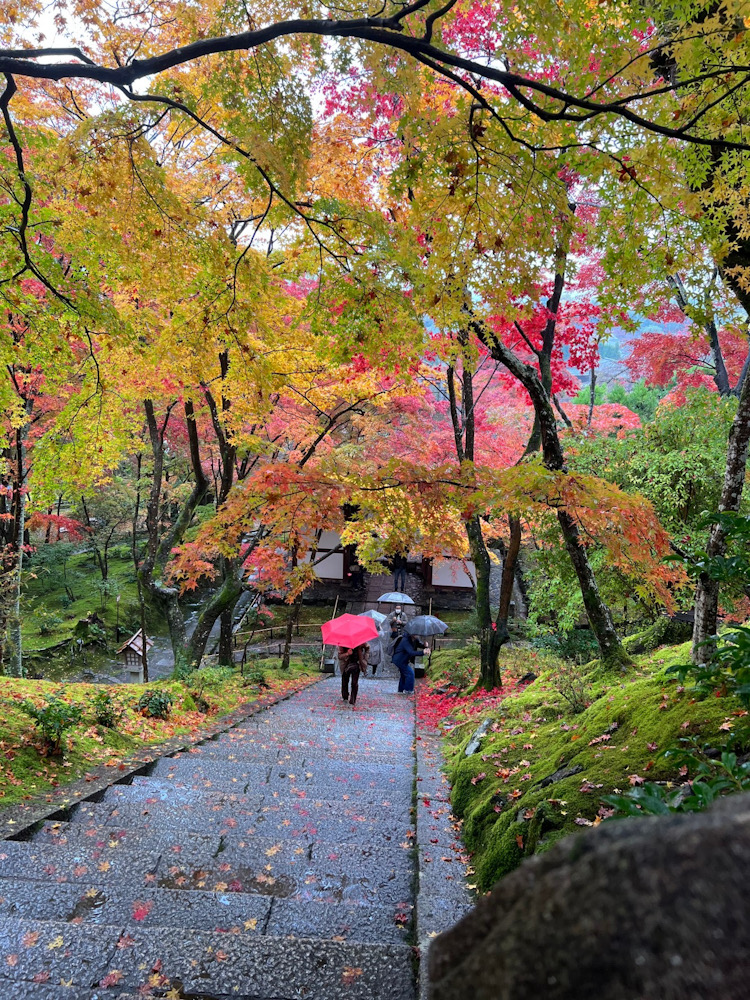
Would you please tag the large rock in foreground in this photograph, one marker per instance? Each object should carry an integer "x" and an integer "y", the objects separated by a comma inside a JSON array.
[{"x": 648, "y": 909}]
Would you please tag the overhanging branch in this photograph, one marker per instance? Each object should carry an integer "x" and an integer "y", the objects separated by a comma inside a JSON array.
[{"x": 389, "y": 32}]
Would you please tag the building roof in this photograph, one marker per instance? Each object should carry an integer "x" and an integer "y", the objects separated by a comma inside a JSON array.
[{"x": 135, "y": 642}]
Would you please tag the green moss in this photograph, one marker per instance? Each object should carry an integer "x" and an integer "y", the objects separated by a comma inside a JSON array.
[
  {"x": 630, "y": 720},
  {"x": 662, "y": 632},
  {"x": 50, "y": 616}
]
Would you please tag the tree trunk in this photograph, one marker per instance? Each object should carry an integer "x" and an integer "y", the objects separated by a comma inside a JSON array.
[
  {"x": 592, "y": 401},
  {"x": 222, "y": 601},
  {"x": 226, "y": 653},
  {"x": 600, "y": 617},
  {"x": 707, "y": 591},
  {"x": 144, "y": 634},
  {"x": 15, "y": 663},
  {"x": 290, "y": 626},
  {"x": 464, "y": 423},
  {"x": 510, "y": 565},
  {"x": 489, "y": 645}
]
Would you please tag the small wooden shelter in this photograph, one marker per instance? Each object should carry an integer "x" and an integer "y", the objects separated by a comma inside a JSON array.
[{"x": 131, "y": 652}]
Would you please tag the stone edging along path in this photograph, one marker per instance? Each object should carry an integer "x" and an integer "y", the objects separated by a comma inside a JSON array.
[
  {"x": 16, "y": 820},
  {"x": 443, "y": 896}
]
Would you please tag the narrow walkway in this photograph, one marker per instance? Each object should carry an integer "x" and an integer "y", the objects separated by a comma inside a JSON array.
[{"x": 275, "y": 861}]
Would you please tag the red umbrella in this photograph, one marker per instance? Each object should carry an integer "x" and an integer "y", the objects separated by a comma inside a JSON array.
[{"x": 348, "y": 630}]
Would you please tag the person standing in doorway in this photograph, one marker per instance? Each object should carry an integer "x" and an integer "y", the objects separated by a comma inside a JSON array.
[
  {"x": 399, "y": 573},
  {"x": 352, "y": 661}
]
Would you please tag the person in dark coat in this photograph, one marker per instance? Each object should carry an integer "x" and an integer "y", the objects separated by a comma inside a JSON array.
[
  {"x": 351, "y": 662},
  {"x": 406, "y": 649}
]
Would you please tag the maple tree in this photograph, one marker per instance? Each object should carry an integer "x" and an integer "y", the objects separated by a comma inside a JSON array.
[{"x": 173, "y": 234}]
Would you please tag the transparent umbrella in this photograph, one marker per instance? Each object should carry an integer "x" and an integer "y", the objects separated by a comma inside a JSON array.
[
  {"x": 376, "y": 616},
  {"x": 394, "y": 597},
  {"x": 426, "y": 625}
]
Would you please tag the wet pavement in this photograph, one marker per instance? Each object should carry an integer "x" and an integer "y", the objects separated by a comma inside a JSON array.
[{"x": 277, "y": 861}]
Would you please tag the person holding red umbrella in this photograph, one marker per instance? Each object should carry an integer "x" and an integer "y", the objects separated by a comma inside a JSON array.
[
  {"x": 351, "y": 662},
  {"x": 350, "y": 633}
]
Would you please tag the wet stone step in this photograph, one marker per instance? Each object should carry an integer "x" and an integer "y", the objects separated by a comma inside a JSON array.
[
  {"x": 198, "y": 962},
  {"x": 331, "y": 876},
  {"x": 60, "y": 834},
  {"x": 48, "y": 952},
  {"x": 224, "y": 912},
  {"x": 74, "y": 863},
  {"x": 92, "y": 844},
  {"x": 337, "y": 824},
  {"x": 341, "y": 921},
  {"x": 228, "y": 778},
  {"x": 39, "y": 991},
  {"x": 331, "y": 873},
  {"x": 164, "y": 816},
  {"x": 232, "y": 773},
  {"x": 331, "y": 757},
  {"x": 338, "y": 796},
  {"x": 121, "y": 903}
]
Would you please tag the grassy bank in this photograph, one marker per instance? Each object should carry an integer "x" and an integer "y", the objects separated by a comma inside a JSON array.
[
  {"x": 25, "y": 768},
  {"x": 614, "y": 742},
  {"x": 62, "y": 589}
]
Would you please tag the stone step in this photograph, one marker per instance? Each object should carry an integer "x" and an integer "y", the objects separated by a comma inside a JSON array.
[
  {"x": 58, "y": 833},
  {"x": 42, "y": 991},
  {"x": 337, "y": 796},
  {"x": 226, "y": 912},
  {"x": 77, "y": 863},
  {"x": 359, "y": 773},
  {"x": 309, "y": 819},
  {"x": 301, "y": 734},
  {"x": 308, "y": 756},
  {"x": 281, "y": 869},
  {"x": 199, "y": 962},
  {"x": 83, "y": 841}
]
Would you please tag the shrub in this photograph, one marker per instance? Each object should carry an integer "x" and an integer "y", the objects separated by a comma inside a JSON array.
[
  {"x": 578, "y": 645},
  {"x": 257, "y": 676},
  {"x": 713, "y": 778},
  {"x": 310, "y": 659},
  {"x": 48, "y": 623},
  {"x": 207, "y": 677},
  {"x": 183, "y": 672},
  {"x": 458, "y": 674},
  {"x": 155, "y": 704},
  {"x": 107, "y": 712},
  {"x": 212, "y": 675},
  {"x": 53, "y": 719},
  {"x": 566, "y": 679}
]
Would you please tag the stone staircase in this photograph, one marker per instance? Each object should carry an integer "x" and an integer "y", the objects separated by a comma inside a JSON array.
[{"x": 274, "y": 862}]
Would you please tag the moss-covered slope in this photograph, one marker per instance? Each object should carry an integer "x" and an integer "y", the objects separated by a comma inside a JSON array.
[{"x": 509, "y": 807}]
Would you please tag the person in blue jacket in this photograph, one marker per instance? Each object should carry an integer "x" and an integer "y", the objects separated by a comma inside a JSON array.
[{"x": 406, "y": 648}]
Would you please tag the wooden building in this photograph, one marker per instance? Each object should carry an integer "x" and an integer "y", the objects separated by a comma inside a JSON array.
[{"x": 131, "y": 652}]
